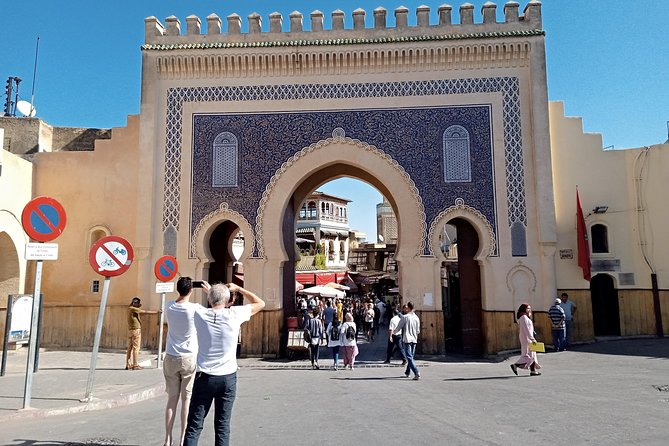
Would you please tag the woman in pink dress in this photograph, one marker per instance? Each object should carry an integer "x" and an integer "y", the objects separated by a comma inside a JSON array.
[{"x": 528, "y": 358}]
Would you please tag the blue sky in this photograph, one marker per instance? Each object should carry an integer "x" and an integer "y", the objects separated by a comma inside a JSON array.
[{"x": 608, "y": 60}]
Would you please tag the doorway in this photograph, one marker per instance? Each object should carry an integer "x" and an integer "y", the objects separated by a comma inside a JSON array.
[
  {"x": 463, "y": 321},
  {"x": 225, "y": 252},
  {"x": 605, "y": 308}
]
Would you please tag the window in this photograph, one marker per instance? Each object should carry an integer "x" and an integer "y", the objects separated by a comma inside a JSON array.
[
  {"x": 95, "y": 286},
  {"x": 303, "y": 211},
  {"x": 225, "y": 163},
  {"x": 312, "y": 210},
  {"x": 331, "y": 250},
  {"x": 599, "y": 234},
  {"x": 342, "y": 251},
  {"x": 457, "y": 156}
]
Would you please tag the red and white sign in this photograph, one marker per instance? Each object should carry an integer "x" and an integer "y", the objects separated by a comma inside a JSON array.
[
  {"x": 166, "y": 268},
  {"x": 43, "y": 219},
  {"x": 111, "y": 256}
]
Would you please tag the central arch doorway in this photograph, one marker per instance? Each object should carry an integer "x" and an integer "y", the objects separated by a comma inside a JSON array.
[
  {"x": 226, "y": 244},
  {"x": 461, "y": 295}
]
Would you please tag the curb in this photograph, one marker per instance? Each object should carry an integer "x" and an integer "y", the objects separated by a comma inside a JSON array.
[{"x": 120, "y": 401}]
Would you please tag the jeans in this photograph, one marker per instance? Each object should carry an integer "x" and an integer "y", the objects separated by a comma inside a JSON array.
[
  {"x": 409, "y": 350},
  {"x": 335, "y": 354},
  {"x": 558, "y": 339},
  {"x": 568, "y": 327},
  {"x": 396, "y": 343},
  {"x": 207, "y": 388}
]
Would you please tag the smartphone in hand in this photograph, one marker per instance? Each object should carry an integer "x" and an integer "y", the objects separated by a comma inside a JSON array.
[{"x": 197, "y": 283}]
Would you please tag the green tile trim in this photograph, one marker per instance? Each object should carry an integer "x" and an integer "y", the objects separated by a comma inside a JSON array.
[{"x": 335, "y": 42}]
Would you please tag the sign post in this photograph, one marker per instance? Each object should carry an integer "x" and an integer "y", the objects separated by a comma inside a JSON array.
[
  {"x": 166, "y": 269},
  {"x": 110, "y": 256},
  {"x": 43, "y": 219}
]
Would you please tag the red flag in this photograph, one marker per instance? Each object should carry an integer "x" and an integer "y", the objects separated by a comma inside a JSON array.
[{"x": 582, "y": 238}]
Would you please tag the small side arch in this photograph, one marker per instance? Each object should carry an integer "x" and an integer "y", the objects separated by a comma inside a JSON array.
[
  {"x": 487, "y": 242},
  {"x": 199, "y": 246}
]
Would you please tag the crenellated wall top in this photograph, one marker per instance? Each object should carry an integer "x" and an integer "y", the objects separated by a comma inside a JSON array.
[{"x": 172, "y": 36}]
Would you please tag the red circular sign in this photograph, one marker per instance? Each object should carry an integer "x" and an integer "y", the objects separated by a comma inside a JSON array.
[
  {"x": 166, "y": 268},
  {"x": 43, "y": 219},
  {"x": 111, "y": 256}
]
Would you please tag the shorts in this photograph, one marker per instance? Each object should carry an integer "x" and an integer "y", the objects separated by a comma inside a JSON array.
[{"x": 179, "y": 372}]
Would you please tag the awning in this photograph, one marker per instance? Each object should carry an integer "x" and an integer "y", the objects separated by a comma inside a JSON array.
[
  {"x": 322, "y": 279},
  {"x": 305, "y": 231},
  {"x": 303, "y": 240},
  {"x": 334, "y": 233},
  {"x": 305, "y": 278}
]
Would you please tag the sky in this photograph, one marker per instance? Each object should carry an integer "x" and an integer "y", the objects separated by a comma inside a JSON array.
[{"x": 608, "y": 60}]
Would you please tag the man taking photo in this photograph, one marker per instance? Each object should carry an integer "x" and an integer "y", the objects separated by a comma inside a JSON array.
[{"x": 216, "y": 378}]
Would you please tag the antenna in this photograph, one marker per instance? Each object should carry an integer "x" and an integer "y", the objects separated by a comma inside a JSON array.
[
  {"x": 12, "y": 86},
  {"x": 32, "y": 94}
]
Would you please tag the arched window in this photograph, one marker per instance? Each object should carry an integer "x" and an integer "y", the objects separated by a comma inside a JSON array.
[
  {"x": 457, "y": 155},
  {"x": 322, "y": 208},
  {"x": 599, "y": 234},
  {"x": 342, "y": 251},
  {"x": 331, "y": 250},
  {"x": 226, "y": 159}
]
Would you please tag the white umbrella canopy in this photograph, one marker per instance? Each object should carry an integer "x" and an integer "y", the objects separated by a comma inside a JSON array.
[
  {"x": 338, "y": 286},
  {"x": 324, "y": 291}
]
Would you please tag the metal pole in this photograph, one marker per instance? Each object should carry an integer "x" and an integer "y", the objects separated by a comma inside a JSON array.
[
  {"x": 160, "y": 331},
  {"x": 5, "y": 342},
  {"x": 656, "y": 304},
  {"x": 96, "y": 343},
  {"x": 33, "y": 337},
  {"x": 39, "y": 331}
]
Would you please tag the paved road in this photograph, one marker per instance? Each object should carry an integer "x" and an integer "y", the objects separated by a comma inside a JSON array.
[{"x": 600, "y": 394}]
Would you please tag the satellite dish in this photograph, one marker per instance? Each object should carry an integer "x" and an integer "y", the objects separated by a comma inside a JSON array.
[
  {"x": 26, "y": 108},
  {"x": 380, "y": 238}
]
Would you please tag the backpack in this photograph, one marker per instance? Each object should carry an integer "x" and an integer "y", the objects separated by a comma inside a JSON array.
[
  {"x": 307, "y": 335},
  {"x": 334, "y": 332},
  {"x": 350, "y": 333}
]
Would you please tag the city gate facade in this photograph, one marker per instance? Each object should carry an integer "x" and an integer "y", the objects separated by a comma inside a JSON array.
[{"x": 447, "y": 120}]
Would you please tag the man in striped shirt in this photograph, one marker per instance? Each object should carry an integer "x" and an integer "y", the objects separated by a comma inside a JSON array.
[{"x": 556, "y": 314}]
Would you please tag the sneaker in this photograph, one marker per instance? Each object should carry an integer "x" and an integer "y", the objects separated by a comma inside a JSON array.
[
  {"x": 535, "y": 373},
  {"x": 416, "y": 378},
  {"x": 514, "y": 369},
  {"x": 335, "y": 368},
  {"x": 406, "y": 375},
  {"x": 317, "y": 367}
]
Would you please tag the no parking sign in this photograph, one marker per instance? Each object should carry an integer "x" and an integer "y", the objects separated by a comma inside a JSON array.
[{"x": 43, "y": 219}]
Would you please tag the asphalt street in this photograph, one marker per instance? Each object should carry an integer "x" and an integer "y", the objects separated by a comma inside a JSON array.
[{"x": 610, "y": 393}]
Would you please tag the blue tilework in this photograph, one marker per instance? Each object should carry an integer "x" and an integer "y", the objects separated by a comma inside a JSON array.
[
  {"x": 411, "y": 136},
  {"x": 507, "y": 86}
]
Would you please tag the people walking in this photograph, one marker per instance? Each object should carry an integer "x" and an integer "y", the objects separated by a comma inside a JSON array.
[
  {"x": 409, "y": 327},
  {"x": 349, "y": 343},
  {"x": 315, "y": 328},
  {"x": 216, "y": 379},
  {"x": 368, "y": 316},
  {"x": 556, "y": 315},
  {"x": 394, "y": 340},
  {"x": 335, "y": 338},
  {"x": 528, "y": 358}
]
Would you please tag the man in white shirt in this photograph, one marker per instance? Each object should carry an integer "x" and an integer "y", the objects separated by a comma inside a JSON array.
[
  {"x": 216, "y": 378},
  {"x": 409, "y": 326},
  {"x": 180, "y": 351},
  {"x": 394, "y": 340},
  {"x": 569, "y": 308}
]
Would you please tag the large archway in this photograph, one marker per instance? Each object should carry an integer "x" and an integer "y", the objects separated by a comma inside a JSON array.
[
  {"x": 9, "y": 266},
  {"x": 339, "y": 157}
]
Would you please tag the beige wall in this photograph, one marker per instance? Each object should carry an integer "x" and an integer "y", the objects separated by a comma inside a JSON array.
[
  {"x": 99, "y": 191},
  {"x": 16, "y": 190}
]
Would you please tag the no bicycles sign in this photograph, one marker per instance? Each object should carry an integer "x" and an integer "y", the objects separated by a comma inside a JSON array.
[{"x": 111, "y": 256}]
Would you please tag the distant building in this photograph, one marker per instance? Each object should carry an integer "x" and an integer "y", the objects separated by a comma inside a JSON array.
[
  {"x": 322, "y": 227},
  {"x": 386, "y": 223}
]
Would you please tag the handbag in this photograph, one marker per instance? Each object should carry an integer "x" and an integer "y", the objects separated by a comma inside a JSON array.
[{"x": 538, "y": 347}]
